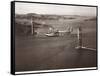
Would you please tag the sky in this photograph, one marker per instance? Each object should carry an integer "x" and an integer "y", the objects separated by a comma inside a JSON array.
[{"x": 24, "y": 8}]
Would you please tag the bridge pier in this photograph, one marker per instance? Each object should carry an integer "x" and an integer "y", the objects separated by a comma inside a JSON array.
[
  {"x": 32, "y": 27},
  {"x": 79, "y": 36}
]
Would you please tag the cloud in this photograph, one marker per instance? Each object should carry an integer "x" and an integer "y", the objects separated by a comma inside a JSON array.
[{"x": 24, "y": 8}]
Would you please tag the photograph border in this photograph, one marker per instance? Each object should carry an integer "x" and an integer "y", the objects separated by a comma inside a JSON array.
[{"x": 13, "y": 37}]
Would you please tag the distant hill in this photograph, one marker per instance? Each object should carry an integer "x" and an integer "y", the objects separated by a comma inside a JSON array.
[
  {"x": 44, "y": 16},
  {"x": 91, "y": 19}
]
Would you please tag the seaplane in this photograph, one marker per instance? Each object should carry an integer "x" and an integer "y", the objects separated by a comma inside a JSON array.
[
  {"x": 55, "y": 33},
  {"x": 50, "y": 34}
]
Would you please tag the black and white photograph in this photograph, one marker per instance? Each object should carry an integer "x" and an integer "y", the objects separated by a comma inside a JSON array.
[{"x": 54, "y": 37}]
